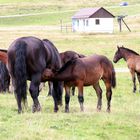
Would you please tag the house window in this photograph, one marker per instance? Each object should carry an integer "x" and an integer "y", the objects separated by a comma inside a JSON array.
[
  {"x": 86, "y": 22},
  {"x": 97, "y": 21},
  {"x": 77, "y": 22}
]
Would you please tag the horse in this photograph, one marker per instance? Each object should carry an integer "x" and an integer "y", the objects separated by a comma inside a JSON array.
[
  {"x": 132, "y": 59},
  {"x": 4, "y": 78},
  {"x": 3, "y": 56},
  {"x": 65, "y": 57},
  {"x": 28, "y": 57},
  {"x": 82, "y": 72},
  {"x": 69, "y": 55}
]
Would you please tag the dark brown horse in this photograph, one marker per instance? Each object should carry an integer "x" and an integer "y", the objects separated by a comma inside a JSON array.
[
  {"x": 27, "y": 59},
  {"x": 65, "y": 57},
  {"x": 133, "y": 62},
  {"x": 85, "y": 72}
]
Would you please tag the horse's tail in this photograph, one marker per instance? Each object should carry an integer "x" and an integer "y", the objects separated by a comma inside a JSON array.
[
  {"x": 113, "y": 77},
  {"x": 20, "y": 71}
]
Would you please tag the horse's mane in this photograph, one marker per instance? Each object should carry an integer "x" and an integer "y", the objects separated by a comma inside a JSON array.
[
  {"x": 130, "y": 50},
  {"x": 81, "y": 55},
  {"x": 70, "y": 62},
  {"x": 48, "y": 41}
]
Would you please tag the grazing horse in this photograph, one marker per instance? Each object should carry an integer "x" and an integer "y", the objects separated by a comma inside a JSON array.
[
  {"x": 85, "y": 72},
  {"x": 4, "y": 78},
  {"x": 65, "y": 57},
  {"x": 133, "y": 62},
  {"x": 27, "y": 59}
]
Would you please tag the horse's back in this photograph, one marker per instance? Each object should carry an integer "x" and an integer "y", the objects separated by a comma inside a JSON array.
[
  {"x": 53, "y": 57},
  {"x": 69, "y": 55},
  {"x": 133, "y": 63},
  {"x": 95, "y": 66},
  {"x": 88, "y": 69},
  {"x": 31, "y": 43},
  {"x": 35, "y": 54},
  {"x": 94, "y": 60}
]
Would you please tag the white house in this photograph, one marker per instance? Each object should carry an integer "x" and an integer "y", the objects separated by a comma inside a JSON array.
[{"x": 97, "y": 20}]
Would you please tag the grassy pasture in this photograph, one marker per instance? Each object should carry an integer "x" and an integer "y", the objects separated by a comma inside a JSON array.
[
  {"x": 87, "y": 44},
  {"x": 124, "y": 120},
  {"x": 121, "y": 124},
  {"x": 50, "y": 13}
]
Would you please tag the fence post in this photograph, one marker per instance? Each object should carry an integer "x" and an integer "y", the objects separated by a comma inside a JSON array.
[
  {"x": 61, "y": 25},
  {"x": 66, "y": 29}
]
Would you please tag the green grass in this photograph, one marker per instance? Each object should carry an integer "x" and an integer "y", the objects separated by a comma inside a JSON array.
[
  {"x": 121, "y": 124},
  {"x": 59, "y": 8},
  {"x": 123, "y": 121}
]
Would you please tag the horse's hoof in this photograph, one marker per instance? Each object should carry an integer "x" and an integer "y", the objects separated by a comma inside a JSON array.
[
  {"x": 134, "y": 90},
  {"x": 36, "y": 108},
  {"x": 108, "y": 111},
  {"x": 19, "y": 111},
  {"x": 98, "y": 110},
  {"x": 56, "y": 110},
  {"x": 66, "y": 110},
  {"x": 33, "y": 109},
  {"x": 60, "y": 103},
  {"x": 82, "y": 109}
]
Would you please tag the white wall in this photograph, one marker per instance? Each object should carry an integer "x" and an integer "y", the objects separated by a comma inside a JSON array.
[{"x": 105, "y": 26}]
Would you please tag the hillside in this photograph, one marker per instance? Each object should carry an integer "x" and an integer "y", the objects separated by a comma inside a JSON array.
[{"x": 42, "y": 12}]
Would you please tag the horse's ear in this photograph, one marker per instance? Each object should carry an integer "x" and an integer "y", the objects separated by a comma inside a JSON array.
[{"x": 118, "y": 47}]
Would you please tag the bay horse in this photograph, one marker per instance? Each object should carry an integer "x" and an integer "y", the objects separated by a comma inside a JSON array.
[
  {"x": 27, "y": 59},
  {"x": 4, "y": 78},
  {"x": 65, "y": 57},
  {"x": 132, "y": 59},
  {"x": 85, "y": 72}
]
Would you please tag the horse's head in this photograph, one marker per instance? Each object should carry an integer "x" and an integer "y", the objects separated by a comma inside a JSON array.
[
  {"x": 48, "y": 74},
  {"x": 117, "y": 55}
]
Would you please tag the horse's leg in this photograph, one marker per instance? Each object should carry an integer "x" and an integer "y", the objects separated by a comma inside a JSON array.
[
  {"x": 67, "y": 98},
  {"x": 80, "y": 96},
  {"x": 50, "y": 85},
  {"x": 138, "y": 76},
  {"x": 34, "y": 91},
  {"x": 108, "y": 94},
  {"x": 99, "y": 95},
  {"x": 134, "y": 80},
  {"x": 57, "y": 94},
  {"x": 41, "y": 86},
  {"x": 73, "y": 90}
]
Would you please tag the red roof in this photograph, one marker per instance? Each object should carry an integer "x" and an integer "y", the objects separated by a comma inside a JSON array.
[{"x": 87, "y": 12}]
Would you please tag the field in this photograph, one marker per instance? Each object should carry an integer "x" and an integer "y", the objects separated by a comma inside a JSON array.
[{"x": 42, "y": 19}]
